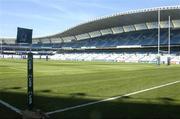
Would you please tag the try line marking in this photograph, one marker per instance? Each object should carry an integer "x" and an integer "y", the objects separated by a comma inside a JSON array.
[
  {"x": 112, "y": 98},
  {"x": 11, "y": 107}
]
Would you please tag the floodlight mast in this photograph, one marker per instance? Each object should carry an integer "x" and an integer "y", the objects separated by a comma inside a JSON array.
[
  {"x": 159, "y": 31},
  {"x": 169, "y": 36}
]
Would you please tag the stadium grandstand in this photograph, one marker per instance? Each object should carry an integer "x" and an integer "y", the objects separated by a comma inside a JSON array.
[{"x": 123, "y": 37}]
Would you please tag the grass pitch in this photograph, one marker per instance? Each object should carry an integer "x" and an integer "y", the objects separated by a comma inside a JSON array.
[{"x": 61, "y": 84}]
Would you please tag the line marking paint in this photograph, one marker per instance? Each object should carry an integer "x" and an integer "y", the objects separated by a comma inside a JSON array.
[
  {"x": 11, "y": 107},
  {"x": 112, "y": 98}
]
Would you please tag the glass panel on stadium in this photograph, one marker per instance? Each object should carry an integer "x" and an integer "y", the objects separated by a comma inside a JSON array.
[
  {"x": 68, "y": 39},
  {"x": 152, "y": 25},
  {"x": 140, "y": 26},
  {"x": 46, "y": 40},
  {"x": 129, "y": 28},
  {"x": 176, "y": 23},
  {"x": 82, "y": 36},
  {"x": 117, "y": 30},
  {"x": 35, "y": 41},
  {"x": 165, "y": 24},
  {"x": 95, "y": 34},
  {"x": 106, "y": 31},
  {"x": 56, "y": 40}
]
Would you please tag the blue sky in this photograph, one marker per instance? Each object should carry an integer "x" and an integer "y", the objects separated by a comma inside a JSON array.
[{"x": 48, "y": 17}]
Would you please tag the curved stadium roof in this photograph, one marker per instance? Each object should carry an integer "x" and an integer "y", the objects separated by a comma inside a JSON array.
[
  {"x": 123, "y": 19},
  {"x": 116, "y": 20}
]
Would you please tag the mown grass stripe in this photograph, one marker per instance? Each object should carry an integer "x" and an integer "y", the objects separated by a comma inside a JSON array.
[{"x": 110, "y": 99}]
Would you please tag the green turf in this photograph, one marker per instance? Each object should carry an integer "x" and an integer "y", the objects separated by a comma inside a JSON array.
[{"x": 60, "y": 84}]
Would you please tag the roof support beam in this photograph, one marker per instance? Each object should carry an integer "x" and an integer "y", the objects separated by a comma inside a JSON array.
[
  {"x": 146, "y": 25},
  {"x": 171, "y": 22},
  {"x": 62, "y": 41},
  {"x": 112, "y": 30},
  {"x": 123, "y": 28},
  {"x": 134, "y": 27},
  {"x": 100, "y": 32},
  {"x": 89, "y": 35},
  {"x": 75, "y": 38}
]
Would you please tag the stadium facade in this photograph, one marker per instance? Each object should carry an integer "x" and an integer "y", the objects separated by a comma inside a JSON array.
[{"x": 133, "y": 32}]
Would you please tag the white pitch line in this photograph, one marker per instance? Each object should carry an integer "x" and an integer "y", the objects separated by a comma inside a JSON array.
[
  {"x": 11, "y": 107},
  {"x": 112, "y": 98}
]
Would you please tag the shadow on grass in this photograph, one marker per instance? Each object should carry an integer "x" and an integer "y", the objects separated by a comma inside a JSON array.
[
  {"x": 11, "y": 88},
  {"x": 77, "y": 94},
  {"x": 121, "y": 108},
  {"x": 6, "y": 113}
]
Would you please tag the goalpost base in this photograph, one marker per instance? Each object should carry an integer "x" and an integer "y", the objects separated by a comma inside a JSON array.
[{"x": 38, "y": 114}]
